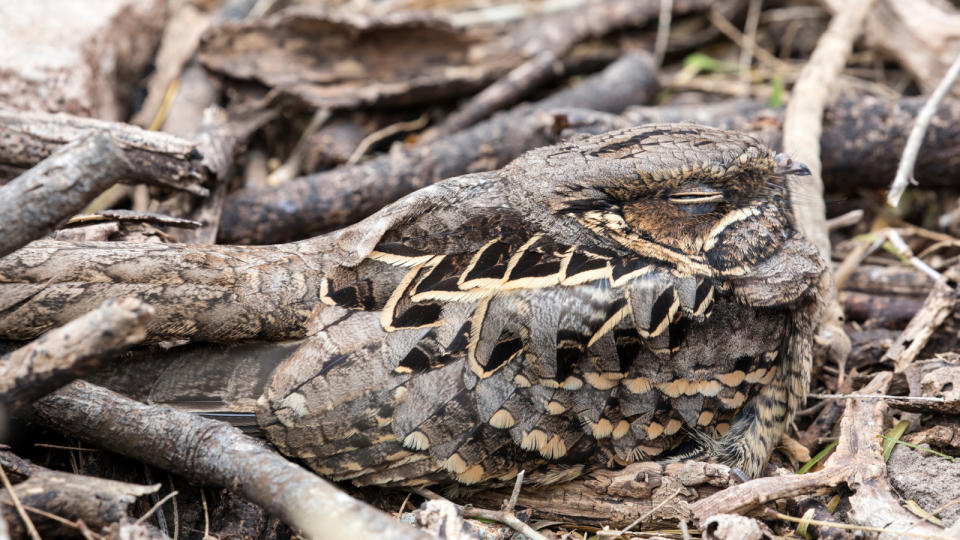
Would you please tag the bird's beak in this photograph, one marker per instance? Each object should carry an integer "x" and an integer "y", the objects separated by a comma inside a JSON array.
[{"x": 787, "y": 166}]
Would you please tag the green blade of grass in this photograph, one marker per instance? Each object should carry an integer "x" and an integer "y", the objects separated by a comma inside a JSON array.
[
  {"x": 817, "y": 458},
  {"x": 892, "y": 437}
]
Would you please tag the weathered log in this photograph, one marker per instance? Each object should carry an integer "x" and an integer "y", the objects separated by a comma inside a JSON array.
[{"x": 212, "y": 293}]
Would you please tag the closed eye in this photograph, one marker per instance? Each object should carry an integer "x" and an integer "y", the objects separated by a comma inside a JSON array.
[{"x": 696, "y": 197}]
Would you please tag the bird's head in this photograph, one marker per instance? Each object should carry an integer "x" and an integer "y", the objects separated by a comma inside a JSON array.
[{"x": 697, "y": 197}]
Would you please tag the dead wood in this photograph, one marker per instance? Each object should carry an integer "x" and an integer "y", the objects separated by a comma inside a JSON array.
[
  {"x": 332, "y": 199},
  {"x": 857, "y": 462},
  {"x": 34, "y": 203},
  {"x": 156, "y": 158},
  {"x": 922, "y": 35},
  {"x": 618, "y": 497},
  {"x": 862, "y": 139},
  {"x": 97, "y": 502},
  {"x": 939, "y": 304},
  {"x": 211, "y": 293},
  {"x": 550, "y": 41},
  {"x": 71, "y": 351},
  {"x": 878, "y": 308},
  {"x": 216, "y": 454}
]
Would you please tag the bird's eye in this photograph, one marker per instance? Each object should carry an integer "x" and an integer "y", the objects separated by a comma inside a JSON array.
[{"x": 695, "y": 197}]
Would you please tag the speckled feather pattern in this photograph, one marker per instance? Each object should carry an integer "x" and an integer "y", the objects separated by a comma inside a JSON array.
[{"x": 640, "y": 294}]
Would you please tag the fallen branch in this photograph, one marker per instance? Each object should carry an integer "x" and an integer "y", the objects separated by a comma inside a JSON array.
[
  {"x": 216, "y": 454},
  {"x": 156, "y": 158},
  {"x": 212, "y": 293},
  {"x": 35, "y": 202},
  {"x": 71, "y": 351},
  {"x": 939, "y": 304}
]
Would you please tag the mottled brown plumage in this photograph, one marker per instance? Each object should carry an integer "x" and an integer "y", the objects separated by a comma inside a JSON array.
[{"x": 641, "y": 294}]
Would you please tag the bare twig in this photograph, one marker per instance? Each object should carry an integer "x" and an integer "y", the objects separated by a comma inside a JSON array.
[
  {"x": 663, "y": 31},
  {"x": 34, "y": 203},
  {"x": 909, "y": 157},
  {"x": 507, "y": 518},
  {"x": 386, "y": 132},
  {"x": 73, "y": 350},
  {"x": 32, "y": 531}
]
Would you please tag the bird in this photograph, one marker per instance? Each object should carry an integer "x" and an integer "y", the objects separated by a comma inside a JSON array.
[{"x": 641, "y": 294}]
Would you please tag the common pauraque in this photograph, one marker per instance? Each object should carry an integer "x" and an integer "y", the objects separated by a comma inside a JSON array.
[{"x": 641, "y": 294}]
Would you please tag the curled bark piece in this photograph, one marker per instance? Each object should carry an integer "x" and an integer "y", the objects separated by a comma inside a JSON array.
[
  {"x": 214, "y": 453},
  {"x": 34, "y": 203},
  {"x": 332, "y": 199},
  {"x": 71, "y": 351},
  {"x": 156, "y": 158},
  {"x": 96, "y": 501}
]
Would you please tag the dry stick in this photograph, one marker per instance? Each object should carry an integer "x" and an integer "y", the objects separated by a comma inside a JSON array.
[
  {"x": 555, "y": 37},
  {"x": 216, "y": 454},
  {"x": 157, "y": 158},
  {"x": 71, "y": 351},
  {"x": 207, "y": 293},
  {"x": 909, "y": 159},
  {"x": 939, "y": 304},
  {"x": 31, "y": 530},
  {"x": 803, "y": 124},
  {"x": 663, "y": 31},
  {"x": 35, "y": 202},
  {"x": 333, "y": 199}
]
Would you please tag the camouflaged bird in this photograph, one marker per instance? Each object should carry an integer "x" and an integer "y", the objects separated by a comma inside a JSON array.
[{"x": 641, "y": 294}]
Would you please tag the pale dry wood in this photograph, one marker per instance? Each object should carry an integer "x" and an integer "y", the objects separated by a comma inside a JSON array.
[
  {"x": 803, "y": 124},
  {"x": 909, "y": 158},
  {"x": 37, "y": 201},
  {"x": 939, "y": 304},
  {"x": 211, "y": 293},
  {"x": 71, "y": 351},
  {"x": 156, "y": 158},
  {"x": 922, "y": 35},
  {"x": 216, "y": 454}
]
